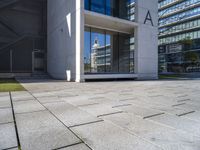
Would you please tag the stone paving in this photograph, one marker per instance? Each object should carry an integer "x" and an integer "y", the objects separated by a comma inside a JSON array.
[{"x": 128, "y": 115}]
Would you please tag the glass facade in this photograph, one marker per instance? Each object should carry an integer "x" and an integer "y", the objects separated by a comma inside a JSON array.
[
  {"x": 123, "y": 9},
  {"x": 108, "y": 52},
  {"x": 179, "y": 36}
]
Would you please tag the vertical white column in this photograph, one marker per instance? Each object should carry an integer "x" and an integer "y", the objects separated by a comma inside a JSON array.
[
  {"x": 79, "y": 40},
  {"x": 146, "y": 39}
]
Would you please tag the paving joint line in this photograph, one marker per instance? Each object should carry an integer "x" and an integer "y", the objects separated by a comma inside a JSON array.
[
  {"x": 15, "y": 123},
  {"x": 60, "y": 121},
  {"x": 5, "y": 107},
  {"x": 178, "y": 104},
  {"x": 87, "y": 105},
  {"x": 10, "y": 148},
  {"x": 123, "y": 105},
  {"x": 183, "y": 114},
  {"x": 6, "y": 123},
  {"x": 110, "y": 114},
  {"x": 77, "y": 143},
  {"x": 182, "y": 96},
  {"x": 86, "y": 123},
  {"x": 15, "y": 101},
  {"x": 156, "y": 96},
  {"x": 154, "y": 115},
  {"x": 53, "y": 102},
  {"x": 30, "y": 112},
  {"x": 183, "y": 100},
  {"x": 96, "y": 98},
  {"x": 129, "y": 99}
]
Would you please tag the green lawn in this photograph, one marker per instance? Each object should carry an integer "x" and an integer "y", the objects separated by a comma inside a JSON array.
[
  {"x": 7, "y": 85},
  {"x": 172, "y": 76}
]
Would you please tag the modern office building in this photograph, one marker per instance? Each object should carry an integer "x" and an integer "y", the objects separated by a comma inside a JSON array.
[
  {"x": 179, "y": 36},
  {"x": 80, "y": 39},
  {"x": 93, "y": 39}
]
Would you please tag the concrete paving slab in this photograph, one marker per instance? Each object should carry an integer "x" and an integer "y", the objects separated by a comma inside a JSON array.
[
  {"x": 7, "y": 136},
  {"x": 94, "y": 99},
  {"x": 5, "y": 103},
  {"x": 99, "y": 109},
  {"x": 78, "y": 100},
  {"x": 50, "y": 99},
  {"x": 16, "y": 148},
  {"x": 193, "y": 116},
  {"x": 140, "y": 111},
  {"x": 77, "y": 147},
  {"x": 70, "y": 115},
  {"x": 41, "y": 130},
  {"x": 5, "y": 98},
  {"x": 21, "y": 96},
  {"x": 6, "y": 115},
  {"x": 43, "y": 94},
  {"x": 179, "y": 123},
  {"x": 166, "y": 137},
  {"x": 27, "y": 106},
  {"x": 105, "y": 135},
  {"x": 3, "y": 94}
]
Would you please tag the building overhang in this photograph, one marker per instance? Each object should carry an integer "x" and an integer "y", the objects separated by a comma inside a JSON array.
[
  {"x": 110, "y": 76},
  {"x": 101, "y": 21}
]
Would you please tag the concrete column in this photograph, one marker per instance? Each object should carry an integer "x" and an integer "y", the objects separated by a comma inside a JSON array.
[
  {"x": 146, "y": 39},
  {"x": 79, "y": 40},
  {"x": 65, "y": 39}
]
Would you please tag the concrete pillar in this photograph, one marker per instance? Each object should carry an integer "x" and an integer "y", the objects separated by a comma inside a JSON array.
[
  {"x": 79, "y": 40},
  {"x": 146, "y": 39},
  {"x": 65, "y": 39}
]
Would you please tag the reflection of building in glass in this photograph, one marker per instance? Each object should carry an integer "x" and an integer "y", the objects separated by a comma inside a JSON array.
[
  {"x": 108, "y": 52},
  {"x": 100, "y": 57},
  {"x": 179, "y": 37}
]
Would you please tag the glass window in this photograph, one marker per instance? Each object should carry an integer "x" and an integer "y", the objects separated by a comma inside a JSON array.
[
  {"x": 123, "y": 9},
  {"x": 87, "y": 4},
  {"x": 108, "y": 52},
  {"x": 98, "y": 51},
  {"x": 87, "y": 50},
  {"x": 98, "y": 6}
]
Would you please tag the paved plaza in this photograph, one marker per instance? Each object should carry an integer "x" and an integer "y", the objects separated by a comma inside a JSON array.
[{"x": 123, "y": 115}]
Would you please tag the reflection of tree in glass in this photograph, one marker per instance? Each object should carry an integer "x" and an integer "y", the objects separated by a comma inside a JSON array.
[{"x": 192, "y": 57}]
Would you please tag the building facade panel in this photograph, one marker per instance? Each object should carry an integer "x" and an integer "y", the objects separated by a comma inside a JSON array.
[{"x": 179, "y": 33}]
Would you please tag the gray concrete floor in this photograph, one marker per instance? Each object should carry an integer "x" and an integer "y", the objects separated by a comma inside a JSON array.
[{"x": 129, "y": 115}]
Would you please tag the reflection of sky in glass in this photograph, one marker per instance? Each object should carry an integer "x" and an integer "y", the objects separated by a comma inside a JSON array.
[{"x": 99, "y": 37}]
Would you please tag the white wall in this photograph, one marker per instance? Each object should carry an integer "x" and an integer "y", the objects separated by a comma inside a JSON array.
[
  {"x": 62, "y": 38},
  {"x": 146, "y": 40}
]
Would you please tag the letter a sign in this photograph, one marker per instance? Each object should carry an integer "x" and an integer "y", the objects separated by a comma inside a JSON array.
[{"x": 148, "y": 18}]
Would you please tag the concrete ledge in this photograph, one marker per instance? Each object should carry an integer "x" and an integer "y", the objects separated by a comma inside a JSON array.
[
  {"x": 109, "y": 76},
  {"x": 101, "y": 21}
]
